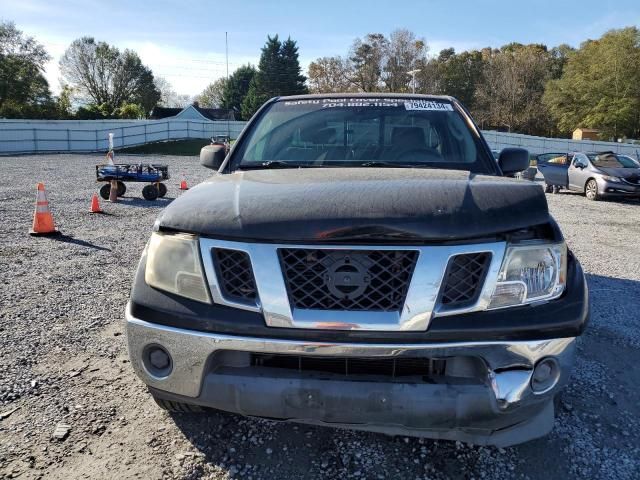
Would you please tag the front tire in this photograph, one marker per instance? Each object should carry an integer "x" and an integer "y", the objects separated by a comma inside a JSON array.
[
  {"x": 591, "y": 190},
  {"x": 548, "y": 188},
  {"x": 162, "y": 189}
]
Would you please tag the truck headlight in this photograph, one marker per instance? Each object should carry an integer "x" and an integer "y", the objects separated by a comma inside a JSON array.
[
  {"x": 531, "y": 273},
  {"x": 173, "y": 265}
]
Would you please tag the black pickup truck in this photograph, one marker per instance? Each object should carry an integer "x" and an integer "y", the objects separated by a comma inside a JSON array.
[{"x": 361, "y": 261}]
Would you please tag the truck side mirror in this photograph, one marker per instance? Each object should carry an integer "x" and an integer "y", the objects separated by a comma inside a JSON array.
[
  {"x": 513, "y": 160},
  {"x": 212, "y": 156}
]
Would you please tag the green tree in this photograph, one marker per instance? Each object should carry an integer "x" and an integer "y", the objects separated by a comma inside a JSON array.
[
  {"x": 367, "y": 58},
  {"x": 24, "y": 92},
  {"x": 292, "y": 80},
  {"x": 146, "y": 95},
  {"x": 559, "y": 58},
  {"x": 92, "y": 111},
  {"x": 103, "y": 75},
  {"x": 211, "y": 96},
  {"x": 377, "y": 63},
  {"x": 600, "y": 86},
  {"x": 236, "y": 88},
  {"x": 253, "y": 100},
  {"x": 266, "y": 83},
  {"x": 404, "y": 52},
  {"x": 63, "y": 103},
  {"x": 510, "y": 92},
  {"x": 451, "y": 73},
  {"x": 330, "y": 74},
  {"x": 278, "y": 74},
  {"x": 130, "y": 111},
  {"x": 462, "y": 74}
]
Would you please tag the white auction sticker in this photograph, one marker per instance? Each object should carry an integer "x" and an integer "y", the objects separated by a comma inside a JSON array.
[{"x": 427, "y": 105}]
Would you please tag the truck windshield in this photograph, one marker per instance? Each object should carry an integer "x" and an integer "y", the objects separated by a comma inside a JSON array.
[
  {"x": 363, "y": 131},
  {"x": 611, "y": 160}
]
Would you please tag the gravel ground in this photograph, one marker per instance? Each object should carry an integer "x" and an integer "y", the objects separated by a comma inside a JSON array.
[{"x": 64, "y": 366}]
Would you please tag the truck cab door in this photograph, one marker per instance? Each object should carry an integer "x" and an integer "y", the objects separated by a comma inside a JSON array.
[
  {"x": 554, "y": 169},
  {"x": 578, "y": 172}
]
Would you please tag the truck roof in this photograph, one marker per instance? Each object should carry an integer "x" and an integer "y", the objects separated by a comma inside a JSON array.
[{"x": 368, "y": 95}]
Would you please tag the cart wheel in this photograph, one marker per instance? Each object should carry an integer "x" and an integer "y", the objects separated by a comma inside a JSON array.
[
  {"x": 105, "y": 190},
  {"x": 150, "y": 192},
  {"x": 121, "y": 188},
  {"x": 162, "y": 189}
]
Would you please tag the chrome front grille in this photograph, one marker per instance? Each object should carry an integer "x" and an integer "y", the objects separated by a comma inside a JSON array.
[
  {"x": 360, "y": 280},
  {"x": 381, "y": 288}
]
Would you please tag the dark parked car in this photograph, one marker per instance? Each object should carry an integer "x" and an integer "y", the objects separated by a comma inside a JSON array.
[
  {"x": 597, "y": 175},
  {"x": 361, "y": 261}
]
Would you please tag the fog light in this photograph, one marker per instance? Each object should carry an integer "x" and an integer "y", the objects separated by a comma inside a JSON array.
[
  {"x": 157, "y": 360},
  {"x": 545, "y": 375}
]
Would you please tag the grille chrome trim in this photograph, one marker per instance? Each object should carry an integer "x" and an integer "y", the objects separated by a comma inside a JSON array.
[{"x": 421, "y": 302}]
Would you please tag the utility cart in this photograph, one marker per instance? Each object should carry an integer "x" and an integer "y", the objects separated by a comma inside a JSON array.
[{"x": 133, "y": 172}]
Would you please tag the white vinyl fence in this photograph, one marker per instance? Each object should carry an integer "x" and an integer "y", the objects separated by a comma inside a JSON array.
[
  {"x": 40, "y": 136},
  {"x": 35, "y": 136},
  {"x": 536, "y": 145}
]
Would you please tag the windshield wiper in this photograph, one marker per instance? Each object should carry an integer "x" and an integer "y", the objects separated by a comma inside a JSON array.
[
  {"x": 380, "y": 163},
  {"x": 272, "y": 164}
]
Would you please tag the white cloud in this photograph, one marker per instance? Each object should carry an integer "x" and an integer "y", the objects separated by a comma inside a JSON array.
[
  {"x": 55, "y": 47},
  {"x": 188, "y": 72}
]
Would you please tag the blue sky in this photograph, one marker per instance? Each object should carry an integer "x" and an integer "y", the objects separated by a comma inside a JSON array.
[{"x": 183, "y": 41}]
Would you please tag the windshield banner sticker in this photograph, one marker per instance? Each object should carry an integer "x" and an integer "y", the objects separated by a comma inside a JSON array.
[
  {"x": 427, "y": 105},
  {"x": 347, "y": 102},
  {"x": 359, "y": 102}
]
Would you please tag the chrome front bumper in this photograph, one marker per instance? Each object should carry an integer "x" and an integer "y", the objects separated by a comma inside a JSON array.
[{"x": 509, "y": 364}]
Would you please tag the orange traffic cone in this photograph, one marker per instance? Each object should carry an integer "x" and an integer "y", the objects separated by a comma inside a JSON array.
[
  {"x": 42, "y": 218},
  {"x": 183, "y": 185},
  {"x": 95, "y": 204}
]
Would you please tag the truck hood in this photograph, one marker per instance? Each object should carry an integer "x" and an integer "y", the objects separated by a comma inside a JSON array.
[{"x": 351, "y": 204}]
